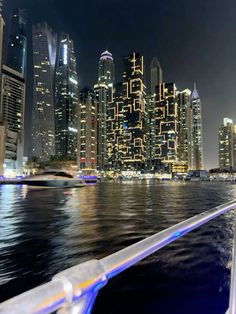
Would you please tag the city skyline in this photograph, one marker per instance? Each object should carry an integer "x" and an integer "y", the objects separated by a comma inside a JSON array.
[{"x": 195, "y": 64}]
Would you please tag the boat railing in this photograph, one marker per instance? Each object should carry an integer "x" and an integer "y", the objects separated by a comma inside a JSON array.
[{"x": 75, "y": 289}]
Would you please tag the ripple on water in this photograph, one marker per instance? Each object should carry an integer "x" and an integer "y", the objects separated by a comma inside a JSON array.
[{"x": 43, "y": 232}]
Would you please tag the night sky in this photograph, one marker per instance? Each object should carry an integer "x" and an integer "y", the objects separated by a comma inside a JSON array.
[{"x": 194, "y": 40}]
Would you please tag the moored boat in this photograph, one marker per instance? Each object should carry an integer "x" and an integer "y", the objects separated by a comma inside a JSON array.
[{"x": 54, "y": 179}]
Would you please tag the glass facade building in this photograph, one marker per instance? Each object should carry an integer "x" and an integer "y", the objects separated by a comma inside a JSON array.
[
  {"x": 166, "y": 126},
  {"x": 134, "y": 122},
  {"x": 87, "y": 139},
  {"x": 185, "y": 127},
  {"x": 44, "y": 57},
  {"x": 104, "y": 98},
  {"x": 17, "y": 44},
  {"x": 66, "y": 100},
  {"x": 156, "y": 74},
  {"x": 197, "y": 145},
  {"x": 226, "y": 145}
]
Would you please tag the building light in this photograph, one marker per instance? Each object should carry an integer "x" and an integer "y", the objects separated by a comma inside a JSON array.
[
  {"x": 73, "y": 81},
  {"x": 72, "y": 129},
  {"x": 65, "y": 54}
]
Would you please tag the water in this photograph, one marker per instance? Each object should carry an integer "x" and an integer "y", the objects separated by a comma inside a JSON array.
[{"x": 44, "y": 232}]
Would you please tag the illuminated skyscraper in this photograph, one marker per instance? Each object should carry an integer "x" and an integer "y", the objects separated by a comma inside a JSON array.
[
  {"x": 167, "y": 126},
  {"x": 2, "y": 24},
  {"x": 66, "y": 100},
  {"x": 106, "y": 68},
  {"x": 13, "y": 99},
  {"x": 87, "y": 139},
  {"x": 104, "y": 96},
  {"x": 156, "y": 74},
  {"x": 17, "y": 44},
  {"x": 12, "y": 108},
  {"x": 226, "y": 145},
  {"x": 197, "y": 149},
  {"x": 185, "y": 127},
  {"x": 115, "y": 116},
  {"x": 44, "y": 58},
  {"x": 151, "y": 131},
  {"x": 134, "y": 123}
]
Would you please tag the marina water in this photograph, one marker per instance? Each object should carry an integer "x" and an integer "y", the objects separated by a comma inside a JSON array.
[{"x": 45, "y": 231}]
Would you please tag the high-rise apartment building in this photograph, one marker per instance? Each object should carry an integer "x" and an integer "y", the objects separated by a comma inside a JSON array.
[
  {"x": 87, "y": 136},
  {"x": 115, "y": 116},
  {"x": 156, "y": 74},
  {"x": 1, "y": 37},
  {"x": 106, "y": 68},
  {"x": 185, "y": 127},
  {"x": 197, "y": 143},
  {"x": 134, "y": 123},
  {"x": 151, "y": 131},
  {"x": 12, "y": 108},
  {"x": 66, "y": 100},
  {"x": 166, "y": 126},
  {"x": 104, "y": 96},
  {"x": 226, "y": 145},
  {"x": 17, "y": 44},
  {"x": 44, "y": 58},
  {"x": 9, "y": 155}
]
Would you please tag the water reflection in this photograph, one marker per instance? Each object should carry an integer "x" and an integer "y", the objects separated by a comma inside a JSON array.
[{"x": 43, "y": 232}]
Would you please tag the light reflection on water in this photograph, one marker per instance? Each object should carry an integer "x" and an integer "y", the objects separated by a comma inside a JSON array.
[{"x": 45, "y": 231}]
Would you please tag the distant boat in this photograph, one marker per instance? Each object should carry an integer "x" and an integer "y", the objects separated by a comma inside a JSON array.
[
  {"x": 54, "y": 179},
  {"x": 88, "y": 179}
]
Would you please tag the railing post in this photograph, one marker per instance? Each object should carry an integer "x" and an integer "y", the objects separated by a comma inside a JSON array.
[
  {"x": 81, "y": 286},
  {"x": 83, "y": 306},
  {"x": 232, "y": 300}
]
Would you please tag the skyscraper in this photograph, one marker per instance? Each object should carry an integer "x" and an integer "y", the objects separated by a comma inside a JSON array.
[
  {"x": 115, "y": 116},
  {"x": 156, "y": 74},
  {"x": 185, "y": 127},
  {"x": 134, "y": 123},
  {"x": 17, "y": 44},
  {"x": 66, "y": 100},
  {"x": 12, "y": 106},
  {"x": 104, "y": 96},
  {"x": 151, "y": 131},
  {"x": 106, "y": 68},
  {"x": 87, "y": 139},
  {"x": 1, "y": 37},
  {"x": 12, "y": 109},
  {"x": 167, "y": 126},
  {"x": 197, "y": 149},
  {"x": 44, "y": 58},
  {"x": 226, "y": 144}
]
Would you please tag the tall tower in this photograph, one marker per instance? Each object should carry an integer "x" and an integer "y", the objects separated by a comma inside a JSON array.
[
  {"x": 87, "y": 145},
  {"x": 115, "y": 118},
  {"x": 44, "y": 57},
  {"x": 197, "y": 144},
  {"x": 17, "y": 44},
  {"x": 156, "y": 74},
  {"x": 166, "y": 126},
  {"x": 2, "y": 24},
  {"x": 104, "y": 97},
  {"x": 134, "y": 123},
  {"x": 106, "y": 68},
  {"x": 185, "y": 127},
  {"x": 66, "y": 100},
  {"x": 226, "y": 144}
]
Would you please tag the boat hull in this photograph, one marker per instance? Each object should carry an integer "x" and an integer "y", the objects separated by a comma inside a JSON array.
[{"x": 54, "y": 183}]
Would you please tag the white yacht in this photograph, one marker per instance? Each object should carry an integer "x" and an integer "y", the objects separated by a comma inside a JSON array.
[{"x": 54, "y": 179}]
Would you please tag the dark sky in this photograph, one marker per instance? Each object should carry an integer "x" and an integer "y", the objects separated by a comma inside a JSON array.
[{"x": 195, "y": 41}]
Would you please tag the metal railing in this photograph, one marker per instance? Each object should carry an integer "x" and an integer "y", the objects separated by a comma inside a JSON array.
[{"x": 75, "y": 289}]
